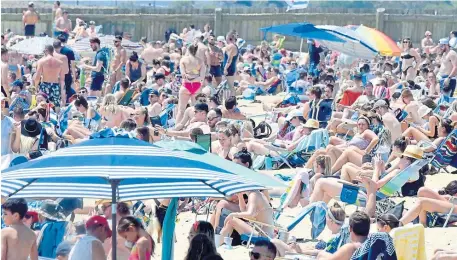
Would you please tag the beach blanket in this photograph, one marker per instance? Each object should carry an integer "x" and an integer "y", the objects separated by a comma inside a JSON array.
[
  {"x": 378, "y": 246},
  {"x": 446, "y": 154}
]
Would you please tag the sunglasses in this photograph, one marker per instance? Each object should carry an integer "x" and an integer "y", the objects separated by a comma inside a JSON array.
[
  {"x": 82, "y": 92},
  {"x": 406, "y": 41},
  {"x": 212, "y": 118},
  {"x": 255, "y": 255},
  {"x": 116, "y": 41},
  {"x": 201, "y": 100},
  {"x": 27, "y": 216}
]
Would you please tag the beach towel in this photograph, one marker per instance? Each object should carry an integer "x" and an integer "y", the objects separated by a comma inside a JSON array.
[
  {"x": 51, "y": 235},
  {"x": 349, "y": 97},
  {"x": 446, "y": 153},
  {"x": 317, "y": 139},
  {"x": 318, "y": 213},
  {"x": 334, "y": 243},
  {"x": 301, "y": 177},
  {"x": 409, "y": 242},
  {"x": 378, "y": 246}
]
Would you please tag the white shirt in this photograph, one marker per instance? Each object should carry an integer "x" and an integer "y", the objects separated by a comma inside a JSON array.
[{"x": 83, "y": 248}]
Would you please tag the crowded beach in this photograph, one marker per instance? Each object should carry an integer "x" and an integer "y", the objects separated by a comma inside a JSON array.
[{"x": 203, "y": 146}]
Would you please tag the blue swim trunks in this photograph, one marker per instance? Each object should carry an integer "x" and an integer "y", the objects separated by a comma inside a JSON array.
[
  {"x": 53, "y": 91},
  {"x": 97, "y": 83}
]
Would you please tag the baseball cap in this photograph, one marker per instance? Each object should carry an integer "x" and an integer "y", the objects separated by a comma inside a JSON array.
[
  {"x": 17, "y": 83},
  {"x": 98, "y": 220},
  {"x": 380, "y": 103},
  {"x": 444, "y": 41},
  {"x": 220, "y": 38},
  {"x": 294, "y": 113},
  {"x": 154, "y": 92},
  {"x": 159, "y": 76}
]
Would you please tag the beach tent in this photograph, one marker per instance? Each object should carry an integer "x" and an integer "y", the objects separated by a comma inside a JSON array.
[
  {"x": 32, "y": 46},
  {"x": 121, "y": 169},
  {"x": 353, "y": 44}
]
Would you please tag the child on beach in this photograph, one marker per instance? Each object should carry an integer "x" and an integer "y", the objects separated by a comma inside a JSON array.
[
  {"x": 18, "y": 241},
  {"x": 131, "y": 230}
]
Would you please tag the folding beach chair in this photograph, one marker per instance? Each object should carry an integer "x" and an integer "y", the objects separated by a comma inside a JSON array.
[
  {"x": 409, "y": 242},
  {"x": 446, "y": 153},
  {"x": 127, "y": 98},
  {"x": 166, "y": 118},
  {"x": 452, "y": 200}
]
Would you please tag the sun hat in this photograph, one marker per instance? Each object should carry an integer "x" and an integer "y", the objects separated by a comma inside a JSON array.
[
  {"x": 311, "y": 123},
  {"x": 30, "y": 127},
  {"x": 413, "y": 151},
  {"x": 294, "y": 113},
  {"x": 220, "y": 38},
  {"x": 51, "y": 210},
  {"x": 424, "y": 110},
  {"x": 98, "y": 220}
]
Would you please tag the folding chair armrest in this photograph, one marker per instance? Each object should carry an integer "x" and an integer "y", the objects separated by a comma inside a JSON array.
[
  {"x": 264, "y": 224},
  {"x": 276, "y": 148}
]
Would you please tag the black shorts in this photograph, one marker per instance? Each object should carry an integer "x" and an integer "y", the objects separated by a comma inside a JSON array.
[
  {"x": 29, "y": 30},
  {"x": 4, "y": 94}
]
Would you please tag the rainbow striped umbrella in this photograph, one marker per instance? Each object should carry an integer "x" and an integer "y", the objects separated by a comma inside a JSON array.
[{"x": 383, "y": 44}]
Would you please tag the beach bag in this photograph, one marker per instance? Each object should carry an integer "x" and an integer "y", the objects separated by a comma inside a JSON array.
[
  {"x": 262, "y": 130},
  {"x": 410, "y": 188},
  {"x": 388, "y": 206}
]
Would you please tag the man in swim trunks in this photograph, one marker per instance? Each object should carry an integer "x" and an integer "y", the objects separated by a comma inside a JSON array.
[
  {"x": 153, "y": 51},
  {"x": 230, "y": 60},
  {"x": 193, "y": 73},
  {"x": 50, "y": 77},
  {"x": 71, "y": 72},
  {"x": 63, "y": 26},
  {"x": 57, "y": 11},
  {"x": 4, "y": 77},
  {"x": 120, "y": 57},
  {"x": 202, "y": 51},
  {"x": 98, "y": 68},
  {"x": 448, "y": 68},
  {"x": 30, "y": 18},
  {"x": 215, "y": 59}
]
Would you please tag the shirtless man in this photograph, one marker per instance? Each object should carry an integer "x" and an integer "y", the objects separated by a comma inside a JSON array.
[
  {"x": 4, "y": 77},
  {"x": 230, "y": 110},
  {"x": 58, "y": 11},
  {"x": 120, "y": 57},
  {"x": 18, "y": 241},
  {"x": 193, "y": 73},
  {"x": 201, "y": 112},
  {"x": 427, "y": 41},
  {"x": 215, "y": 59},
  {"x": 230, "y": 60},
  {"x": 154, "y": 107},
  {"x": 30, "y": 18},
  {"x": 448, "y": 68},
  {"x": 63, "y": 26},
  {"x": 359, "y": 227},
  {"x": 175, "y": 57},
  {"x": 50, "y": 77},
  {"x": 154, "y": 51},
  {"x": 124, "y": 86},
  {"x": 202, "y": 51}
]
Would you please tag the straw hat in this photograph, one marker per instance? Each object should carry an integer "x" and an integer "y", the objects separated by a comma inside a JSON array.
[
  {"x": 311, "y": 123},
  {"x": 424, "y": 110},
  {"x": 51, "y": 210},
  {"x": 413, "y": 151}
]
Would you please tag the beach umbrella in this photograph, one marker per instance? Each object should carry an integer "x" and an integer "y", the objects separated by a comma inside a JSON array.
[
  {"x": 302, "y": 30},
  {"x": 82, "y": 45},
  {"x": 353, "y": 44},
  {"x": 120, "y": 168},
  {"x": 32, "y": 46},
  {"x": 382, "y": 43}
]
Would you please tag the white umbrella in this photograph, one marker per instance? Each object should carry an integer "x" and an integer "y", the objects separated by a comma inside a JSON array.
[{"x": 32, "y": 46}]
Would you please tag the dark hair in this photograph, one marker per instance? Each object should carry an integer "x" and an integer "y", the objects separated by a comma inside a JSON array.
[
  {"x": 57, "y": 3},
  {"x": 194, "y": 132},
  {"x": 201, "y": 107},
  {"x": 389, "y": 219},
  {"x": 118, "y": 37},
  {"x": 203, "y": 227},
  {"x": 230, "y": 103},
  {"x": 317, "y": 91},
  {"x": 65, "y": 12},
  {"x": 125, "y": 82},
  {"x": 447, "y": 124},
  {"x": 155, "y": 62},
  {"x": 18, "y": 206},
  {"x": 62, "y": 38},
  {"x": 80, "y": 228},
  {"x": 209, "y": 78},
  {"x": 244, "y": 156},
  {"x": 19, "y": 111},
  {"x": 128, "y": 124},
  {"x": 123, "y": 208},
  {"x": 429, "y": 103},
  {"x": 144, "y": 132},
  {"x": 218, "y": 111},
  {"x": 199, "y": 247},
  {"x": 450, "y": 189},
  {"x": 266, "y": 243},
  {"x": 215, "y": 100},
  {"x": 57, "y": 44},
  {"x": 49, "y": 48},
  {"x": 126, "y": 222},
  {"x": 199, "y": 95},
  {"x": 4, "y": 50},
  {"x": 193, "y": 49},
  {"x": 42, "y": 111},
  {"x": 359, "y": 222},
  {"x": 401, "y": 143},
  {"x": 213, "y": 257},
  {"x": 94, "y": 40},
  {"x": 134, "y": 57},
  {"x": 81, "y": 101}
]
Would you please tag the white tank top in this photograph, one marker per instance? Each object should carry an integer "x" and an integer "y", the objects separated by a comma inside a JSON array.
[{"x": 82, "y": 249}]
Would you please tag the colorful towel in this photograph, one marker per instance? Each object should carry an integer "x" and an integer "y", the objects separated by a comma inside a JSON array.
[
  {"x": 409, "y": 242},
  {"x": 446, "y": 153},
  {"x": 318, "y": 211},
  {"x": 378, "y": 246}
]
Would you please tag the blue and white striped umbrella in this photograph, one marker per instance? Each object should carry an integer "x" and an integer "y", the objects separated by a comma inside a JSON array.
[{"x": 144, "y": 171}]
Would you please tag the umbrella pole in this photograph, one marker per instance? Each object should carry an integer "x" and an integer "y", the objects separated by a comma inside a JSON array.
[
  {"x": 301, "y": 46},
  {"x": 114, "y": 186}
]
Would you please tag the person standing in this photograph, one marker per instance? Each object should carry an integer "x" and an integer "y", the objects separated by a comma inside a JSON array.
[
  {"x": 30, "y": 18},
  {"x": 90, "y": 246},
  {"x": 98, "y": 68},
  {"x": 71, "y": 72},
  {"x": 50, "y": 77},
  {"x": 448, "y": 68},
  {"x": 120, "y": 58},
  {"x": 230, "y": 59},
  {"x": 18, "y": 241},
  {"x": 4, "y": 76},
  {"x": 314, "y": 57},
  {"x": 215, "y": 59},
  {"x": 8, "y": 128},
  {"x": 63, "y": 26},
  {"x": 427, "y": 41},
  {"x": 57, "y": 11}
]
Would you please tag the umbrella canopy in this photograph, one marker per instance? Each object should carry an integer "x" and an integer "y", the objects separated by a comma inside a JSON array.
[
  {"x": 83, "y": 45},
  {"x": 32, "y": 46},
  {"x": 302, "y": 30},
  {"x": 382, "y": 43},
  {"x": 202, "y": 155},
  {"x": 352, "y": 45}
]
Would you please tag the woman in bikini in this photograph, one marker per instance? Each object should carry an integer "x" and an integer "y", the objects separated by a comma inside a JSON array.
[
  {"x": 258, "y": 209},
  {"x": 224, "y": 145},
  {"x": 408, "y": 56},
  {"x": 112, "y": 113},
  {"x": 193, "y": 73},
  {"x": 131, "y": 230}
]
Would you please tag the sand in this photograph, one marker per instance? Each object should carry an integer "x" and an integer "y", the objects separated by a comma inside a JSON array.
[{"x": 444, "y": 238}]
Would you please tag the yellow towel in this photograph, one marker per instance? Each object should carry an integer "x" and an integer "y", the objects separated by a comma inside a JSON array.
[{"x": 409, "y": 242}]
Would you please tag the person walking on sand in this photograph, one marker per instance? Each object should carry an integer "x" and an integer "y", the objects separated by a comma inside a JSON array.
[
  {"x": 57, "y": 11},
  {"x": 30, "y": 18},
  {"x": 50, "y": 77},
  {"x": 18, "y": 241},
  {"x": 120, "y": 58},
  {"x": 63, "y": 26},
  {"x": 231, "y": 53},
  {"x": 98, "y": 67}
]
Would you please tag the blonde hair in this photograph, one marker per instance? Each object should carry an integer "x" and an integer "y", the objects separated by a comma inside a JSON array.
[
  {"x": 325, "y": 162},
  {"x": 338, "y": 212},
  {"x": 109, "y": 103}
]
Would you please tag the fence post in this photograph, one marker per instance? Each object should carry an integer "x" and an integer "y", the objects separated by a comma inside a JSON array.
[
  {"x": 218, "y": 21},
  {"x": 380, "y": 12}
]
